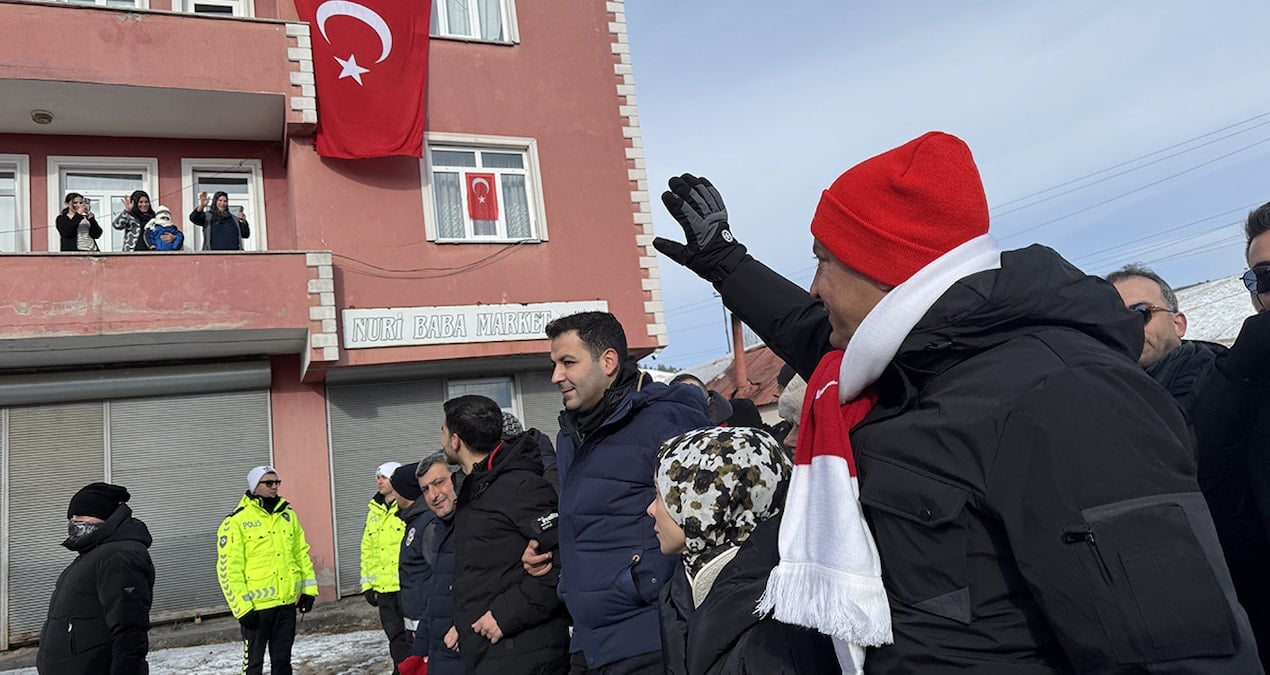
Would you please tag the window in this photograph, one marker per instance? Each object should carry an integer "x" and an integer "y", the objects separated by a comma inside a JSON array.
[
  {"x": 242, "y": 179},
  {"x": 500, "y": 389},
  {"x": 123, "y": 4},
  {"x": 104, "y": 182},
  {"x": 483, "y": 192},
  {"x": 489, "y": 20},
  {"x": 245, "y": 8},
  {"x": 15, "y": 221}
]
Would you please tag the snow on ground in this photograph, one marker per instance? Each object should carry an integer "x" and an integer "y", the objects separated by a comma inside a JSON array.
[{"x": 359, "y": 653}]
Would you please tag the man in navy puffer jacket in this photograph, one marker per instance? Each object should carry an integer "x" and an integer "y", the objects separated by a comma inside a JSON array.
[{"x": 613, "y": 424}]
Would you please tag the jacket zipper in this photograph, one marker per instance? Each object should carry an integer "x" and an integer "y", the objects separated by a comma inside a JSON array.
[{"x": 1087, "y": 537}]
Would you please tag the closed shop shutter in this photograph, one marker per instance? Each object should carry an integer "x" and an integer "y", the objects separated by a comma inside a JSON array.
[
  {"x": 371, "y": 424},
  {"x": 52, "y": 451},
  {"x": 185, "y": 459},
  {"x": 540, "y": 402}
]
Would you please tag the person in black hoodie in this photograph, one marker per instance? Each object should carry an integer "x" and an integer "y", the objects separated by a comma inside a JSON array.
[
  {"x": 414, "y": 570},
  {"x": 99, "y": 615},
  {"x": 436, "y": 639},
  {"x": 507, "y": 620},
  {"x": 719, "y": 498},
  {"x": 1032, "y": 493}
]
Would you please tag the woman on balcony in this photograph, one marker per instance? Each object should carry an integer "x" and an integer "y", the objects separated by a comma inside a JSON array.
[
  {"x": 223, "y": 230},
  {"x": 136, "y": 214},
  {"x": 77, "y": 225}
]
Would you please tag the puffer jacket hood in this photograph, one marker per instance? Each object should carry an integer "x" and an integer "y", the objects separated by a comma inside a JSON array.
[{"x": 1034, "y": 289}]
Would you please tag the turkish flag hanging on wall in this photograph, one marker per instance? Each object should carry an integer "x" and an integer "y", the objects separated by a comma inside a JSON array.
[
  {"x": 370, "y": 62},
  {"x": 482, "y": 198}
]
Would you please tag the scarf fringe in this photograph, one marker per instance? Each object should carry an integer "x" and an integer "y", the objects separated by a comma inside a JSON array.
[{"x": 849, "y": 607}]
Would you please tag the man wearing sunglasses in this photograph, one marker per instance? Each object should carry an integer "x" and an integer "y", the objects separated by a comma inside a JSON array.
[
  {"x": 1175, "y": 363},
  {"x": 265, "y": 572}
]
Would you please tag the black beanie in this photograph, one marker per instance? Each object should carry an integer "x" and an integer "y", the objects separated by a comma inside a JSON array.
[
  {"x": 404, "y": 482},
  {"x": 98, "y": 500}
]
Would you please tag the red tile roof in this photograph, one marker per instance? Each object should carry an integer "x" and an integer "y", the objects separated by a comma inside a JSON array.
[{"x": 761, "y": 368}]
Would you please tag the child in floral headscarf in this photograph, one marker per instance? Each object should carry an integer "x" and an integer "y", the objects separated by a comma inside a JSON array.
[{"x": 719, "y": 498}]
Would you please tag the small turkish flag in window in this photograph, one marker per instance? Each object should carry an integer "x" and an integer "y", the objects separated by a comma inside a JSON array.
[{"x": 482, "y": 199}]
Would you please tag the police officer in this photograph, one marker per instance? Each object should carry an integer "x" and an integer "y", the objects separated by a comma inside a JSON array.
[
  {"x": 265, "y": 572},
  {"x": 381, "y": 549}
]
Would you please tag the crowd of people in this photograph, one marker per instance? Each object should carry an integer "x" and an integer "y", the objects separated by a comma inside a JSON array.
[
  {"x": 999, "y": 464},
  {"x": 147, "y": 228}
]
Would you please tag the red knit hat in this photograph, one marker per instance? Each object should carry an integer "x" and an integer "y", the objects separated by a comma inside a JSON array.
[{"x": 891, "y": 215}]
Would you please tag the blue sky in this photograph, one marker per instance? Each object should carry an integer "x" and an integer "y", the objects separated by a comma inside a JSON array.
[{"x": 1152, "y": 116}]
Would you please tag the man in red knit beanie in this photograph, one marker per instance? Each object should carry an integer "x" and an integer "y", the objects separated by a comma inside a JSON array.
[{"x": 1031, "y": 492}]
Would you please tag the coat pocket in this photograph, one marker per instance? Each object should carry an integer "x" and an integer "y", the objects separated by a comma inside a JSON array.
[
  {"x": 1153, "y": 585},
  {"x": 919, "y": 524}
]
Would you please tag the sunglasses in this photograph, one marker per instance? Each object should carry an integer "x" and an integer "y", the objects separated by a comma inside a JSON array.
[
  {"x": 271, "y": 483},
  {"x": 1147, "y": 311},
  {"x": 1257, "y": 279}
]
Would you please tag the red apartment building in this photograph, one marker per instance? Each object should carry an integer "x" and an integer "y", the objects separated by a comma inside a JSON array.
[{"x": 366, "y": 296}]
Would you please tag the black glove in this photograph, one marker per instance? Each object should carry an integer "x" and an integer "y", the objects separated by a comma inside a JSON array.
[
  {"x": 1249, "y": 357},
  {"x": 304, "y": 604},
  {"x": 250, "y": 620},
  {"x": 372, "y": 598},
  {"x": 710, "y": 250}
]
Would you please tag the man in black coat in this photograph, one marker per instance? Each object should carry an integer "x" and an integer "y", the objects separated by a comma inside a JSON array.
[
  {"x": 1226, "y": 397},
  {"x": 99, "y": 615},
  {"x": 1031, "y": 491},
  {"x": 507, "y": 620}
]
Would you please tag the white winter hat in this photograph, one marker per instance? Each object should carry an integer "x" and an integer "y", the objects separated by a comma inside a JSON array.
[
  {"x": 163, "y": 214},
  {"x": 254, "y": 476},
  {"x": 386, "y": 469}
]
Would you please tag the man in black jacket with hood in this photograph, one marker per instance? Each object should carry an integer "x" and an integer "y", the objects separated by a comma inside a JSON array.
[
  {"x": 99, "y": 615},
  {"x": 1031, "y": 491},
  {"x": 508, "y": 621}
]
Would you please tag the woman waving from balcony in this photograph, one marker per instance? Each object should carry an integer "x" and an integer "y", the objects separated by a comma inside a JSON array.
[
  {"x": 223, "y": 230},
  {"x": 77, "y": 226},
  {"x": 136, "y": 213}
]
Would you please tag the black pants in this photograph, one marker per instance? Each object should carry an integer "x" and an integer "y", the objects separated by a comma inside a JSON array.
[
  {"x": 277, "y": 632},
  {"x": 394, "y": 627},
  {"x": 644, "y": 664}
]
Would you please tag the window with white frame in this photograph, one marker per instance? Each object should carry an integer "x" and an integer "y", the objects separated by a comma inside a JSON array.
[
  {"x": 490, "y": 20},
  {"x": 243, "y": 8},
  {"x": 15, "y": 222},
  {"x": 242, "y": 180},
  {"x": 501, "y": 390},
  {"x": 484, "y": 191},
  {"x": 104, "y": 182}
]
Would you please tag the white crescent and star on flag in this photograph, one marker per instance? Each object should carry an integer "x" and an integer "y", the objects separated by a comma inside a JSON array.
[
  {"x": 349, "y": 67},
  {"x": 480, "y": 198}
]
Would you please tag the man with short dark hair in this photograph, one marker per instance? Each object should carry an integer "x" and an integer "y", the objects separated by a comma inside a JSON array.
[
  {"x": 1031, "y": 491},
  {"x": 507, "y": 620},
  {"x": 611, "y": 429},
  {"x": 380, "y": 551},
  {"x": 265, "y": 571},
  {"x": 99, "y": 614}
]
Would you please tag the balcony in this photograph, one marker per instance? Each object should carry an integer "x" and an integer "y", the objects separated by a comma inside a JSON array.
[
  {"x": 66, "y": 309},
  {"x": 102, "y": 71}
]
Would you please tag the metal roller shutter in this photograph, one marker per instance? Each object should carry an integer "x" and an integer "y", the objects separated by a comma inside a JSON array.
[
  {"x": 371, "y": 424},
  {"x": 540, "y": 402},
  {"x": 52, "y": 452},
  {"x": 185, "y": 460}
]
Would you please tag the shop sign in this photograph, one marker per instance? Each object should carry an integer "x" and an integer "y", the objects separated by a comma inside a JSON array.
[{"x": 406, "y": 326}]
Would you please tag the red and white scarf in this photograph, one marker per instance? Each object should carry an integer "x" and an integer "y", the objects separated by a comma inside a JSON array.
[{"x": 829, "y": 577}]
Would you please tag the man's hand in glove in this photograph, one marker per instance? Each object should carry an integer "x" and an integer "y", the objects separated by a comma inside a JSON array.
[
  {"x": 372, "y": 597},
  {"x": 710, "y": 250},
  {"x": 304, "y": 604},
  {"x": 250, "y": 620}
]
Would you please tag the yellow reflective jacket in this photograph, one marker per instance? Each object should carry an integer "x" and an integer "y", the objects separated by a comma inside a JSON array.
[
  {"x": 381, "y": 546},
  {"x": 262, "y": 557}
]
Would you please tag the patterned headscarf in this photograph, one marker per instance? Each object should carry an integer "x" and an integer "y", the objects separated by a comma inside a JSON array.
[{"x": 719, "y": 484}]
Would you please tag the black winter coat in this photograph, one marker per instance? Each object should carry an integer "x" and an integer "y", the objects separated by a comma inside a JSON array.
[
  {"x": 723, "y": 636},
  {"x": 503, "y": 504},
  {"x": 1026, "y": 481},
  {"x": 1230, "y": 414},
  {"x": 439, "y": 616},
  {"x": 99, "y": 615},
  {"x": 413, "y": 569}
]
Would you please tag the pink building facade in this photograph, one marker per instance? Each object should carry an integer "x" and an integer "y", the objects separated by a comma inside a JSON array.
[{"x": 364, "y": 297}]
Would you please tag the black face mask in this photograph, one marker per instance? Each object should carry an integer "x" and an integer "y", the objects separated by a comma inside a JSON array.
[{"x": 78, "y": 529}]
